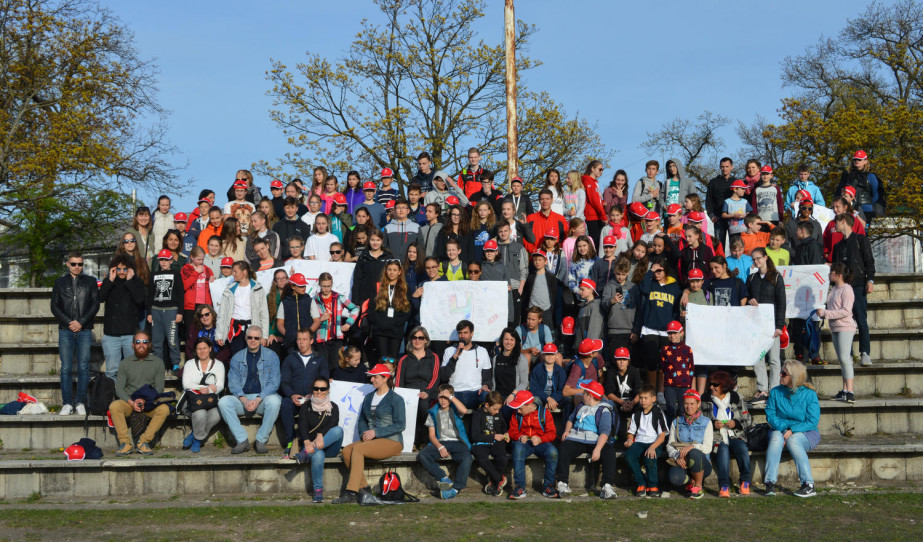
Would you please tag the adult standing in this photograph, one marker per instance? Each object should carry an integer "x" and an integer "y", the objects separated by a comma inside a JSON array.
[
  {"x": 142, "y": 228},
  {"x": 74, "y": 303},
  {"x": 719, "y": 189},
  {"x": 594, "y": 212},
  {"x": 870, "y": 193},
  {"x": 767, "y": 287},
  {"x": 424, "y": 175},
  {"x": 856, "y": 252},
  {"x": 124, "y": 294}
]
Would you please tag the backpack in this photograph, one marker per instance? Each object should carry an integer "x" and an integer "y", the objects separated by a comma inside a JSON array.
[
  {"x": 100, "y": 394},
  {"x": 583, "y": 379},
  {"x": 603, "y": 406},
  {"x": 541, "y": 418},
  {"x": 657, "y": 418},
  {"x": 392, "y": 489},
  {"x": 523, "y": 332}
]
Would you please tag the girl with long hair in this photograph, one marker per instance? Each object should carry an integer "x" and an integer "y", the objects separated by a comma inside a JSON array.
[
  {"x": 553, "y": 183},
  {"x": 767, "y": 287},
  {"x": 389, "y": 311},
  {"x": 617, "y": 192}
]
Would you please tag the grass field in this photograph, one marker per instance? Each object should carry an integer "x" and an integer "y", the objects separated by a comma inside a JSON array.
[{"x": 839, "y": 517}]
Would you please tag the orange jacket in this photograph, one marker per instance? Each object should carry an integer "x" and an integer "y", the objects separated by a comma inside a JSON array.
[
  {"x": 531, "y": 427},
  {"x": 207, "y": 234}
]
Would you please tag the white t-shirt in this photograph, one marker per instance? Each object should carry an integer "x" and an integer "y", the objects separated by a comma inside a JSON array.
[
  {"x": 319, "y": 246},
  {"x": 467, "y": 375},
  {"x": 241, "y": 302},
  {"x": 644, "y": 434},
  {"x": 308, "y": 218}
]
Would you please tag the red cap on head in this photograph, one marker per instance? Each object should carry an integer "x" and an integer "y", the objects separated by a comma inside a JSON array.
[
  {"x": 386, "y": 172},
  {"x": 539, "y": 252},
  {"x": 516, "y": 180},
  {"x": 805, "y": 202},
  {"x": 851, "y": 190},
  {"x": 276, "y": 183},
  {"x": 739, "y": 183},
  {"x": 339, "y": 199},
  {"x": 692, "y": 393},
  {"x": 652, "y": 215},
  {"x": 622, "y": 353},
  {"x": 180, "y": 217},
  {"x": 589, "y": 283},
  {"x": 75, "y": 452},
  {"x": 592, "y": 387},
  {"x": 491, "y": 245},
  {"x": 674, "y": 327},
  {"x": 550, "y": 348},
  {"x": 380, "y": 370},
  {"x": 204, "y": 200},
  {"x": 552, "y": 233},
  {"x": 637, "y": 209},
  {"x": 674, "y": 209},
  {"x": 567, "y": 325},
  {"x": 298, "y": 280},
  {"x": 390, "y": 204},
  {"x": 522, "y": 397},
  {"x": 609, "y": 241},
  {"x": 227, "y": 261},
  {"x": 165, "y": 254},
  {"x": 696, "y": 274},
  {"x": 452, "y": 200},
  {"x": 696, "y": 216},
  {"x": 766, "y": 169},
  {"x": 369, "y": 185},
  {"x": 860, "y": 155},
  {"x": 240, "y": 184},
  {"x": 589, "y": 346},
  {"x": 803, "y": 194}
]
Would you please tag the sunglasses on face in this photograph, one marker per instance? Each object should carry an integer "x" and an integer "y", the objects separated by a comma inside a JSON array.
[
  {"x": 336, "y": 252},
  {"x": 121, "y": 270},
  {"x": 320, "y": 389},
  {"x": 253, "y": 338},
  {"x": 418, "y": 338},
  {"x": 474, "y": 272},
  {"x": 655, "y": 271},
  {"x": 141, "y": 341},
  {"x": 714, "y": 384},
  {"x": 783, "y": 373},
  {"x": 127, "y": 241},
  {"x": 75, "y": 264},
  {"x": 204, "y": 314}
]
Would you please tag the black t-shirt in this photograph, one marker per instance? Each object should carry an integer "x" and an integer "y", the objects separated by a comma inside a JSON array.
[
  {"x": 505, "y": 373},
  {"x": 725, "y": 292}
]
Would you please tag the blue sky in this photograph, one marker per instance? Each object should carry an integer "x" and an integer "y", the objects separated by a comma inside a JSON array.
[{"x": 628, "y": 66}]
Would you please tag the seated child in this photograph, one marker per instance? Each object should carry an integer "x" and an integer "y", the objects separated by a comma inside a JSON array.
[
  {"x": 590, "y": 429},
  {"x": 447, "y": 439},
  {"x": 532, "y": 432},
  {"x": 647, "y": 431},
  {"x": 489, "y": 437}
]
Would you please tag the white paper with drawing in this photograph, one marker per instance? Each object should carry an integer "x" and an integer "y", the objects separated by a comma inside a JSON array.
[
  {"x": 348, "y": 397},
  {"x": 822, "y": 215},
  {"x": 445, "y": 303},
  {"x": 342, "y": 273},
  {"x": 737, "y": 336},
  {"x": 806, "y": 289},
  {"x": 218, "y": 286}
]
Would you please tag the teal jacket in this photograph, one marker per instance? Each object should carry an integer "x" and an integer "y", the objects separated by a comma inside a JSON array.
[
  {"x": 459, "y": 425},
  {"x": 798, "y": 410},
  {"x": 389, "y": 419}
]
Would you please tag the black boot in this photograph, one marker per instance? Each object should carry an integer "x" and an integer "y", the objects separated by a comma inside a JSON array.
[{"x": 346, "y": 497}]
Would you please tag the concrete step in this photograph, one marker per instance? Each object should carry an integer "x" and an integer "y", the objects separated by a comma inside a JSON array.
[
  {"x": 896, "y": 314},
  {"x": 887, "y": 378},
  {"x": 886, "y": 345},
  {"x": 47, "y": 388},
  {"x": 39, "y": 358},
  {"x": 866, "y": 417},
  {"x": 897, "y": 459},
  {"x": 25, "y": 300},
  {"x": 37, "y": 328},
  {"x": 897, "y": 286}
]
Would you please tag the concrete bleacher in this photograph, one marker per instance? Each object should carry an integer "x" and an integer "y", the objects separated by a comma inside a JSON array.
[{"x": 875, "y": 441}]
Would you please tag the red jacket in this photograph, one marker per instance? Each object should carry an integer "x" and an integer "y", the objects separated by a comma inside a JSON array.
[
  {"x": 470, "y": 181},
  {"x": 531, "y": 427},
  {"x": 832, "y": 237},
  {"x": 594, "y": 206},
  {"x": 189, "y": 275},
  {"x": 539, "y": 223}
]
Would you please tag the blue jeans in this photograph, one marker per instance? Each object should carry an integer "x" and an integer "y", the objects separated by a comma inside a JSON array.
[
  {"x": 860, "y": 313},
  {"x": 798, "y": 447},
  {"x": 332, "y": 441},
  {"x": 232, "y": 409},
  {"x": 634, "y": 455},
  {"x": 460, "y": 453},
  {"x": 471, "y": 399},
  {"x": 723, "y": 461},
  {"x": 73, "y": 346},
  {"x": 674, "y": 397},
  {"x": 115, "y": 349},
  {"x": 164, "y": 327},
  {"x": 545, "y": 450},
  {"x": 696, "y": 461}
]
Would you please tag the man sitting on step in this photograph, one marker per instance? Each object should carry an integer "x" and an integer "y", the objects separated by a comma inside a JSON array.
[{"x": 140, "y": 369}]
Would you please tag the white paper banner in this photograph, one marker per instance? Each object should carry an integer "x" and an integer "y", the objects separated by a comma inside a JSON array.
[
  {"x": 342, "y": 273},
  {"x": 218, "y": 286},
  {"x": 823, "y": 215},
  {"x": 446, "y": 303},
  {"x": 806, "y": 289},
  {"x": 737, "y": 336},
  {"x": 348, "y": 397}
]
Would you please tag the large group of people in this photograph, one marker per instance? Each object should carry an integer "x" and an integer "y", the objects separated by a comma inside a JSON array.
[{"x": 593, "y": 356}]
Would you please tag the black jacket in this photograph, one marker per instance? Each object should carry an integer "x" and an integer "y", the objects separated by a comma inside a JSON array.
[
  {"x": 766, "y": 292},
  {"x": 286, "y": 229},
  {"x": 718, "y": 190},
  {"x": 419, "y": 374},
  {"x": 807, "y": 252},
  {"x": 124, "y": 301},
  {"x": 856, "y": 253},
  {"x": 75, "y": 300},
  {"x": 298, "y": 378},
  {"x": 552, "y": 282},
  {"x": 484, "y": 427},
  {"x": 311, "y": 423},
  {"x": 365, "y": 276}
]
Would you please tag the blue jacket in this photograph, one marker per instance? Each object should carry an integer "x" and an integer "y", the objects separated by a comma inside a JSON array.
[
  {"x": 267, "y": 367},
  {"x": 298, "y": 378},
  {"x": 659, "y": 304},
  {"x": 459, "y": 424},
  {"x": 798, "y": 410},
  {"x": 537, "y": 382},
  {"x": 808, "y": 186},
  {"x": 389, "y": 420}
]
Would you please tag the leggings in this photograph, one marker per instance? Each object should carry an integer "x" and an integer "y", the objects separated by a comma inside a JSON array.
[
  {"x": 495, "y": 468},
  {"x": 355, "y": 454},
  {"x": 387, "y": 347},
  {"x": 842, "y": 344}
]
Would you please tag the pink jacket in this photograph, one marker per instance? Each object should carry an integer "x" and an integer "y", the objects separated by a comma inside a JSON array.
[{"x": 839, "y": 308}]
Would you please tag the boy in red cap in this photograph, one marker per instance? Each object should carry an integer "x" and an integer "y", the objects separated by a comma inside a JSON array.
[
  {"x": 735, "y": 208},
  {"x": 386, "y": 193},
  {"x": 532, "y": 432},
  {"x": 676, "y": 369},
  {"x": 621, "y": 385},
  {"x": 164, "y": 309},
  {"x": 591, "y": 429},
  {"x": 546, "y": 381},
  {"x": 227, "y": 266},
  {"x": 376, "y": 210},
  {"x": 675, "y": 222},
  {"x": 586, "y": 368}
]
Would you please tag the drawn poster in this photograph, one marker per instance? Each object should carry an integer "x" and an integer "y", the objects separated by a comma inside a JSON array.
[
  {"x": 342, "y": 273},
  {"x": 806, "y": 288},
  {"x": 737, "y": 336},
  {"x": 445, "y": 303},
  {"x": 348, "y": 397},
  {"x": 217, "y": 287},
  {"x": 823, "y": 215}
]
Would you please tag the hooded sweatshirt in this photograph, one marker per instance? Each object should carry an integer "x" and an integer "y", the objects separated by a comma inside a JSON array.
[
  {"x": 594, "y": 204},
  {"x": 686, "y": 186}
]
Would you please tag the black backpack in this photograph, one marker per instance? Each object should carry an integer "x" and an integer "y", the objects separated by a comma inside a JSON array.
[
  {"x": 100, "y": 394},
  {"x": 392, "y": 489}
]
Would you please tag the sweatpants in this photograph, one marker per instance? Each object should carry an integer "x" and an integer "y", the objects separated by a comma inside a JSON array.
[{"x": 355, "y": 454}]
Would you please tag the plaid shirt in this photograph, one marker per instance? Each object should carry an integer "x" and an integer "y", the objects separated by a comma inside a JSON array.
[{"x": 344, "y": 310}]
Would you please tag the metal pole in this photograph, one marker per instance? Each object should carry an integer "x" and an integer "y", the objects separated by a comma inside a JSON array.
[{"x": 512, "y": 150}]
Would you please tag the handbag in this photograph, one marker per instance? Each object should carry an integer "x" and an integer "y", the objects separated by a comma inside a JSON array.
[
  {"x": 758, "y": 437},
  {"x": 193, "y": 401}
]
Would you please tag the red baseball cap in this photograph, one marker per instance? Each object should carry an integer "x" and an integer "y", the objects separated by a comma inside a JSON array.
[
  {"x": 75, "y": 452},
  {"x": 491, "y": 245},
  {"x": 609, "y": 241},
  {"x": 784, "y": 338},
  {"x": 390, "y": 204},
  {"x": 521, "y": 398},
  {"x": 550, "y": 348},
  {"x": 386, "y": 172},
  {"x": 180, "y": 217},
  {"x": 638, "y": 209},
  {"x": 204, "y": 200},
  {"x": 369, "y": 185},
  {"x": 851, "y": 190},
  {"x": 227, "y": 261},
  {"x": 739, "y": 183},
  {"x": 674, "y": 327},
  {"x": 567, "y": 325},
  {"x": 339, "y": 199},
  {"x": 276, "y": 183},
  {"x": 622, "y": 353},
  {"x": 165, "y": 254},
  {"x": 516, "y": 180},
  {"x": 379, "y": 370},
  {"x": 805, "y": 202},
  {"x": 696, "y": 274},
  {"x": 652, "y": 215},
  {"x": 589, "y": 283},
  {"x": 452, "y": 200},
  {"x": 692, "y": 393},
  {"x": 696, "y": 216},
  {"x": 24, "y": 397},
  {"x": 298, "y": 280},
  {"x": 551, "y": 233},
  {"x": 589, "y": 346},
  {"x": 766, "y": 169},
  {"x": 240, "y": 184},
  {"x": 539, "y": 252},
  {"x": 674, "y": 209},
  {"x": 860, "y": 155},
  {"x": 803, "y": 194},
  {"x": 592, "y": 387}
]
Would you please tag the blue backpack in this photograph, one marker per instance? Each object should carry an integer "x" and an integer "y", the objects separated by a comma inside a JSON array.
[{"x": 583, "y": 379}]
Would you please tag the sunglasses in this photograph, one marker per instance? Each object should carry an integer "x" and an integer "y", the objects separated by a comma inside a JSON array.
[
  {"x": 336, "y": 252},
  {"x": 253, "y": 338},
  {"x": 387, "y": 360},
  {"x": 141, "y": 341},
  {"x": 655, "y": 271},
  {"x": 783, "y": 373},
  {"x": 714, "y": 384},
  {"x": 75, "y": 264},
  {"x": 204, "y": 314},
  {"x": 418, "y": 338},
  {"x": 474, "y": 272},
  {"x": 126, "y": 241},
  {"x": 320, "y": 389}
]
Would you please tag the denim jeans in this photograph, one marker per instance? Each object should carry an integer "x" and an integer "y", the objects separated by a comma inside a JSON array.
[
  {"x": 723, "y": 461},
  {"x": 115, "y": 349},
  {"x": 696, "y": 461},
  {"x": 860, "y": 313},
  {"x": 74, "y": 346},
  {"x": 471, "y": 399},
  {"x": 332, "y": 441},
  {"x": 545, "y": 450},
  {"x": 231, "y": 409},
  {"x": 634, "y": 455},
  {"x": 164, "y": 327},
  {"x": 798, "y": 447},
  {"x": 674, "y": 398},
  {"x": 460, "y": 453}
]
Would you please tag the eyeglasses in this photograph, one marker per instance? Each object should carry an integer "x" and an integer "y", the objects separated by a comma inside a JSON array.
[
  {"x": 418, "y": 338},
  {"x": 336, "y": 252},
  {"x": 141, "y": 341},
  {"x": 75, "y": 264},
  {"x": 253, "y": 338},
  {"x": 714, "y": 384},
  {"x": 320, "y": 389},
  {"x": 126, "y": 241}
]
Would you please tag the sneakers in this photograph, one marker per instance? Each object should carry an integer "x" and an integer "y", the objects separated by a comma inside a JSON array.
[
  {"x": 518, "y": 493},
  {"x": 759, "y": 398},
  {"x": 145, "y": 449},
  {"x": 445, "y": 484},
  {"x": 447, "y": 494},
  {"x": 607, "y": 492},
  {"x": 81, "y": 410},
  {"x": 865, "y": 360},
  {"x": 502, "y": 483},
  {"x": 688, "y": 487},
  {"x": 697, "y": 493},
  {"x": 196, "y": 446},
  {"x": 744, "y": 488},
  {"x": 346, "y": 497},
  {"x": 241, "y": 447},
  {"x": 187, "y": 442},
  {"x": 126, "y": 449},
  {"x": 318, "y": 496},
  {"x": 302, "y": 457},
  {"x": 550, "y": 493},
  {"x": 287, "y": 451},
  {"x": 66, "y": 410},
  {"x": 640, "y": 491},
  {"x": 850, "y": 397},
  {"x": 818, "y": 361},
  {"x": 724, "y": 492},
  {"x": 653, "y": 493},
  {"x": 770, "y": 490},
  {"x": 840, "y": 396},
  {"x": 260, "y": 447},
  {"x": 806, "y": 490},
  {"x": 492, "y": 489},
  {"x": 563, "y": 488}
]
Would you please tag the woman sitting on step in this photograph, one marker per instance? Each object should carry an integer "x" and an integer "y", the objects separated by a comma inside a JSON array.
[{"x": 203, "y": 375}]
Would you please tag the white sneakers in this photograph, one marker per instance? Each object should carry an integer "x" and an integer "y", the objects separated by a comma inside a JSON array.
[
  {"x": 607, "y": 492},
  {"x": 563, "y": 488},
  {"x": 66, "y": 410},
  {"x": 81, "y": 410}
]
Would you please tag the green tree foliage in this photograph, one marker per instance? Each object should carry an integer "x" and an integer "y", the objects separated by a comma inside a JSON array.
[{"x": 420, "y": 79}]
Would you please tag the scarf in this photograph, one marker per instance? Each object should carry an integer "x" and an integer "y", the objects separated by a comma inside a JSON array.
[
  {"x": 321, "y": 405},
  {"x": 722, "y": 413},
  {"x": 617, "y": 229},
  {"x": 752, "y": 182},
  {"x": 693, "y": 418}
]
